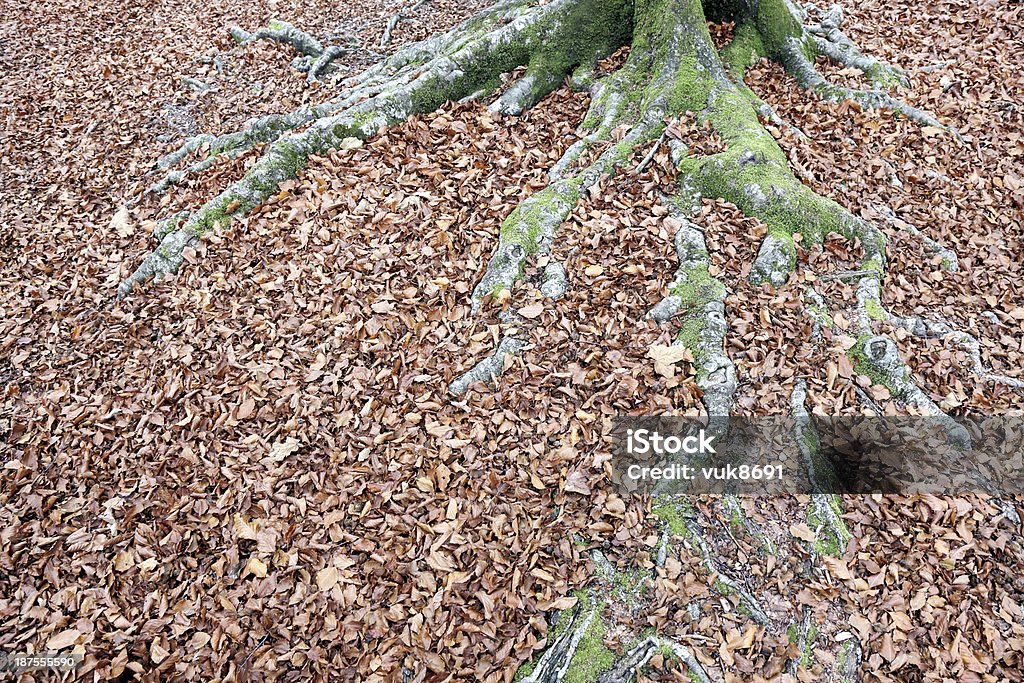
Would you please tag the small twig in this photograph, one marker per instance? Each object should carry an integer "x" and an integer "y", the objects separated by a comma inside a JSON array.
[{"x": 650, "y": 155}]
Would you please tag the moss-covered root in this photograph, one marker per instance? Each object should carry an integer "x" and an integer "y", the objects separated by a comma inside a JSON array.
[
  {"x": 848, "y": 659},
  {"x": 704, "y": 327},
  {"x": 795, "y": 59},
  {"x": 532, "y": 225},
  {"x": 683, "y": 653},
  {"x": 320, "y": 65},
  {"x": 831, "y": 42},
  {"x": 555, "y": 663},
  {"x": 681, "y": 520},
  {"x": 878, "y": 358},
  {"x": 280, "y": 32},
  {"x": 820, "y": 473},
  {"x": 447, "y": 67},
  {"x": 801, "y": 634},
  {"x": 870, "y": 307},
  {"x": 489, "y": 368},
  {"x": 825, "y": 518},
  {"x": 394, "y": 20},
  {"x": 606, "y": 101},
  {"x": 624, "y": 669},
  {"x": 255, "y": 132}
]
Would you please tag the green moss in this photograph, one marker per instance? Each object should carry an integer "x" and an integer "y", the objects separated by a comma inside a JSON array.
[
  {"x": 698, "y": 288},
  {"x": 883, "y": 75},
  {"x": 668, "y": 511},
  {"x": 526, "y": 669},
  {"x": 527, "y": 222},
  {"x": 863, "y": 366},
  {"x": 776, "y": 24},
  {"x": 736, "y": 520},
  {"x": 845, "y": 661},
  {"x": 745, "y": 49},
  {"x": 592, "y": 657},
  {"x": 553, "y": 47},
  {"x": 689, "y": 335},
  {"x": 691, "y": 88},
  {"x": 875, "y": 310},
  {"x": 807, "y": 652},
  {"x": 834, "y": 534}
]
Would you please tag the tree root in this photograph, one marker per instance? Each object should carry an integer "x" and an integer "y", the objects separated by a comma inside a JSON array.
[
  {"x": 834, "y": 44},
  {"x": 876, "y": 356},
  {"x": 950, "y": 262},
  {"x": 231, "y": 145},
  {"x": 704, "y": 327},
  {"x": 690, "y": 529},
  {"x": 796, "y": 62},
  {"x": 870, "y": 307},
  {"x": 555, "y": 662},
  {"x": 280, "y": 32},
  {"x": 416, "y": 79},
  {"x": 489, "y": 368},
  {"x": 605, "y": 105},
  {"x": 394, "y": 20}
]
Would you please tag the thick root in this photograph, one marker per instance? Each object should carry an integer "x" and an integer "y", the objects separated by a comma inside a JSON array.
[{"x": 704, "y": 327}]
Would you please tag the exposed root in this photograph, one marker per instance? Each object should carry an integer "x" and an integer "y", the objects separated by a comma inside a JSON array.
[
  {"x": 554, "y": 282},
  {"x": 804, "y": 636},
  {"x": 528, "y": 90},
  {"x": 230, "y": 145},
  {"x": 554, "y": 663},
  {"x": 604, "y": 107},
  {"x": 849, "y": 659},
  {"x": 167, "y": 225},
  {"x": 820, "y": 473},
  {"x": 319, "y": 66},
  {"x": 871, "y": 307},
  {"x": 624, "y": 670},
  {"x": 734, "y": 513},
  {"x": 531, "y": 226},
  {"x": 703, "y": 329},
  {"x": 686, "y": 656},
  {"x": 796, "y": 62},
  {"x": 489, "y": 368},
  {"x": 416, "y": 79},
  {"x": 395, "y": 19},
  {"x": 280, "y": 32},
  {"x": 834, "y": 44},
  {"x": 725, "y": 583},
  {"x": 949, "y": 259}
]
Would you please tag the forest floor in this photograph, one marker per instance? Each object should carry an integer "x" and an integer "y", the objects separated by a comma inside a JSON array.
[{"x": 253, "y": 469}]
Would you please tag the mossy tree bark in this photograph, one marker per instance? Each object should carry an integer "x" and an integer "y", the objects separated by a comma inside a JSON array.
[{"x": 673, "y": 68}]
